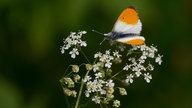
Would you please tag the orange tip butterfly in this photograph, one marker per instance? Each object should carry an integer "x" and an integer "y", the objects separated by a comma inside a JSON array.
[{"x": 127, "y": 28}]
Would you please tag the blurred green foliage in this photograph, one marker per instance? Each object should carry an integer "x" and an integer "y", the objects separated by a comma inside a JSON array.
[{"x": 31, "y": 33}]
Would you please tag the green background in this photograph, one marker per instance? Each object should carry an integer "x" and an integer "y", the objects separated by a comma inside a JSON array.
[{"x": 31, "y": 33}]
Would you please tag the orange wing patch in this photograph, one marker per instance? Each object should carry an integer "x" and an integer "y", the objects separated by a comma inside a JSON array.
[
  {"x": 136, "y": 41},
  {"x": 129, "y": 16}
]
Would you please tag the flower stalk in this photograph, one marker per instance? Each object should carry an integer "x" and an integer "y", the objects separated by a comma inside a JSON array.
[{"x": 80, "y": 92}]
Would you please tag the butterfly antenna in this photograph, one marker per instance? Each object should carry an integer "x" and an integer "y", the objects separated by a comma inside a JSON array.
[
  {"x": 98, "y": 32},
  {"x": 103, "y": 41}
]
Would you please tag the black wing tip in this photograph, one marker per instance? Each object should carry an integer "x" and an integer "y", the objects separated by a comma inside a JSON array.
[{"x": 132, "y": 7}]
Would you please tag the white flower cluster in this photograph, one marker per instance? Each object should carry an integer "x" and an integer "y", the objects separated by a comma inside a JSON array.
[
  {"x": 138, "y": 65},
  {"x": 100, "y": 84},
  {"x": 99, "y": 87},
  {"x": 106, "y": 59},
  {"x": 101, "y": 81},
  {"x": 73, "y": 40}
]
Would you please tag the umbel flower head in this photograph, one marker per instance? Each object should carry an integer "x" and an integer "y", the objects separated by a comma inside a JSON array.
[
  {"x": 73, "y": 40},
  {"x": 99, "y": 81}
]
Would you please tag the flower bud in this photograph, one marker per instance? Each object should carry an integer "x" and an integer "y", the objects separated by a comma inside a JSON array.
[
  {"x": 117, "y": 60},
  {"x": 67, "y": 91},
  {"x": 88, "y": 67},
  {"x": 69, "y": 81},
  {"x": 125, "y": 83},
  {"x": 77, "y": 78},
  {"x": 122, "y": 91},
  {"x": 110, "y": 90},
  {"x": 75, "y": 68},
  {"x": 108, "y": 72},
  {"x": 116, "y": 103},
  {"x": 73, "y": 93},
  {"x": 110, "y": 96}
]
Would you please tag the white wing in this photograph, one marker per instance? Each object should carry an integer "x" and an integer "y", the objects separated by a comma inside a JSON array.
[
  {"x": 121, "y": 27},
  {"x": 126, "y": 39}
]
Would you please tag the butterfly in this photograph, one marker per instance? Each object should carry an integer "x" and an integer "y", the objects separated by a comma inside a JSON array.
[{"x": 127, "y": 28}]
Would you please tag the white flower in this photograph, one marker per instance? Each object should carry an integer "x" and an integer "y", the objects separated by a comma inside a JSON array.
[
  {"x": 129, "y": 79},
  {"x": 102, "y": 91},
  {"x": 83, "y": 43},
  {"x": 108, "y": 64},
  {"x": 62, "y": 50},
  {"x": 103, "y": 58},
  {"x": 96, "y": 67},
  {"x": 87, "y": 93},
  {"x": 154, "y": 48},
  {"x": 72, "y": 33},
  {"x": 141, "y": 60},
  {"x": 143, "y": 57},
  {"x": 142, "y": 47},
  {"x": 96, "y": 99},
  {"x": 150, "y": 67},
  {"x": 110, "y": 83},
  {"x": 74, "y": 42},
  {"x": 132, "y": 59},
  {"x": 116, "y": 54},
  {"x": 67, "y": 46},
  {"x": 67, "y": 40},
  {"x": 110, "y": 57},
  {"x": 158, "y": 59},
  {"x": 138, "y": 73},
  {"x": 151, "y": 54},
  {"x": 126, "y": 68},
  {"x": 82, "y": 32},
  {"x": 141, "y": 67},
  {"x": 138, "y": 68},
  {"x": 147, "y": 77},
  {"x": 87, "y": 78},
  {"x": 98, "y": 54},
  {"x": 98, "y": 75},
  {"x": 95, "y": 86},
  {"x": 145, "y": 53},
  {"x": 107, "y": 52},
  {"x": 74, "y": 52}
]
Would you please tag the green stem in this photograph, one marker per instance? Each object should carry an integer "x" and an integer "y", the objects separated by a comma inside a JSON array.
[
  {"x": 68, "y": 73},
  {"x": 67, "y": 101},
  {"x": 79, "y": 95},
  {"x": 66, "y": 70},
  {"x": 80, "y": 92},
  {"x": 72, "y": 71},
  {"x": 101, "y": 105},
  {"x": 117, "y": 74},
  {"x": 85, "y": 56}
]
